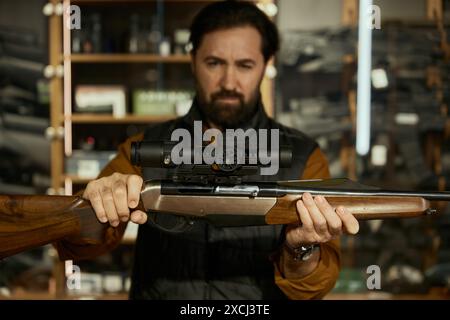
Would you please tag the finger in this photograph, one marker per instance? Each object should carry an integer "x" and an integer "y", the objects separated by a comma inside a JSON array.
[
  {"x": 319, "y": 221},
  {"x": 134, "y": 187},
  {"x": 307, "y": 223},
  {"x": 305, "y": 234},
  {"x": 349, "y": 222},
  {"x": 97, "y": 203},
  {"x": 110, "y": 207},
  {"x": 139, "y": 217},
  {"x": 121, "y": 200},
  {"x": 333, "y": 220}
]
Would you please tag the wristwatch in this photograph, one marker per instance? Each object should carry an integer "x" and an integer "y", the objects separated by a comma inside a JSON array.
[{"x": 301, "y": 253}]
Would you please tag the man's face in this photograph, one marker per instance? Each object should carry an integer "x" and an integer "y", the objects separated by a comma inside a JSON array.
[{"x": 228, "y": 68}]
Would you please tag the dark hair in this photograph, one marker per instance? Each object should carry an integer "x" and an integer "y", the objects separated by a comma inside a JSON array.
[{"x": 230, "y": 14}]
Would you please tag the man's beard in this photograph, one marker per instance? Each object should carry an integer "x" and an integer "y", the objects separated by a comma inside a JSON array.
[{"x": 225, "y": 115}]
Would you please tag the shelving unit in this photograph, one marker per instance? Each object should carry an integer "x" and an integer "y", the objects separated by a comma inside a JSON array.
[{"x": 432, "y": 144}]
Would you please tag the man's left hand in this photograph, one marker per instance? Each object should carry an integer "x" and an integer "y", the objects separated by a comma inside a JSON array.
[{"x": 320, "y": 222}]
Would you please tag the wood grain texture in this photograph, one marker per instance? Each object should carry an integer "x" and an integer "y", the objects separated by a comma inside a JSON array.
[
  {"x": 31, "y": 221},
  {"x": 363, "y": 208}
]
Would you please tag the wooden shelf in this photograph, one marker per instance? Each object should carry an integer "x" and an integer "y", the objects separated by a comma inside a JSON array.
[
  {"x": 127, "y": 58},
  {"x": 109, "y": 119}
]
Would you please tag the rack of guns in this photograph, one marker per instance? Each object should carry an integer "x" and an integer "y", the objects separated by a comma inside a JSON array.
[
  {"x": 223, "y": 194},
  {"x": 24, "y": 149}
]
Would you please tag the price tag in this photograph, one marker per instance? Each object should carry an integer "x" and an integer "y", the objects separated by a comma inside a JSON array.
[
  {"x": 410, "y": 119},
  {"x": 379, "y": 155}
]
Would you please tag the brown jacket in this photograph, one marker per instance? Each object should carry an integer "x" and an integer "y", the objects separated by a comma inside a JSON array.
[{"x": 313, "y": 286}]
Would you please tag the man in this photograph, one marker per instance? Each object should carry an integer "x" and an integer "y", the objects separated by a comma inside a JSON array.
[{"x": 232, "y": 44}]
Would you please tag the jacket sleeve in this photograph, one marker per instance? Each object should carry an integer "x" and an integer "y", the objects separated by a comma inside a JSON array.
[
  {"x": 323, "y": 278},
  {"x": 71, "y": 248}
]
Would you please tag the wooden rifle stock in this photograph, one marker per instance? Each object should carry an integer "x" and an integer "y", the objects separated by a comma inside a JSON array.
[
  {"x": 362, "y": 207},
  {"x": 29, "y": 221}
]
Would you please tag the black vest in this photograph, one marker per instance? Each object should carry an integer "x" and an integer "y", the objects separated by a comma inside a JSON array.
[{"x": 208, "y": 262}]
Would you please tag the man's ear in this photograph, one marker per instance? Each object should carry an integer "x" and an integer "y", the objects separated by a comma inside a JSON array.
[{"x": 266, "y": 64}]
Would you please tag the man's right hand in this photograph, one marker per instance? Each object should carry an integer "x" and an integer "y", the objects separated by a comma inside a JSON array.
[{"x": 112, "y": 198}]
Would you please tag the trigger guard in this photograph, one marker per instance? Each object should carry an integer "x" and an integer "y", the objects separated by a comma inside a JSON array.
[{"x": 182, "y": 224}]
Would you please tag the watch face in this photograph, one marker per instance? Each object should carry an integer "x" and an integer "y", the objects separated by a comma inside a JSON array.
[{"x": 302, "y": 253}]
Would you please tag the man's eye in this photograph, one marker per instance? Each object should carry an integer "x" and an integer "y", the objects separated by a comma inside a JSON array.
[
  {"x": 246, "y": 66},
  {"x": 213, "y": 63}
]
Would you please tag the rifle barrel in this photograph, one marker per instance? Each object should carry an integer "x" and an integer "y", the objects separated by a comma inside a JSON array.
[
  {"x": 277, "y": 190},
  {"x": 432, "y": 196}
]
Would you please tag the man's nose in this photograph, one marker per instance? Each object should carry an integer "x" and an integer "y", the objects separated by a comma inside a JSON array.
[{"x": 229, "y": 80}]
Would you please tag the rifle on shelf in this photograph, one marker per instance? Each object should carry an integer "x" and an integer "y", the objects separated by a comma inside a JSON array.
[{"x": 221, "y": 194}]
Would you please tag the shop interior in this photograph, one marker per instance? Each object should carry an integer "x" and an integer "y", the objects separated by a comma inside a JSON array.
[{"x": 78, "y": 77}]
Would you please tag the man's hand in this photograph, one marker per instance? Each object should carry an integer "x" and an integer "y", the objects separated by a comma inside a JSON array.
[
  {"x": 113, "y": 196},
  {"x": 320, "y": 222}
]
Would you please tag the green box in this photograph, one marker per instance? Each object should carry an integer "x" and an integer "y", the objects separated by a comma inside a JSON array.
[{"x": 158, "y": 103}]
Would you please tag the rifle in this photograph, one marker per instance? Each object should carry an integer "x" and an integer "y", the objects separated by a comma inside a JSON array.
[{"x": 218, "y": 193}]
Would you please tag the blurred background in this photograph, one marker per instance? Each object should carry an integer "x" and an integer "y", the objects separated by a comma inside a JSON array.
[{"x": 73, "y": 86}]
